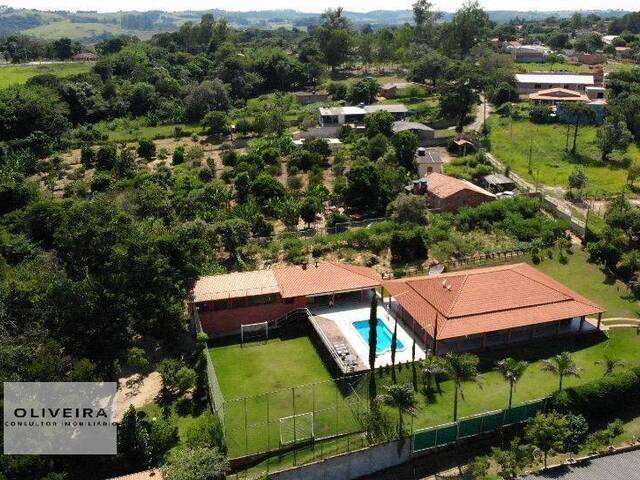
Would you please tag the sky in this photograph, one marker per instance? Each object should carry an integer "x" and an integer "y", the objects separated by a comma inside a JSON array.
[{"x": 314, "y": 6}]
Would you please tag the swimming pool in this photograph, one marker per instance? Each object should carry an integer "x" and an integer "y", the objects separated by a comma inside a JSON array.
[{"x": 383, "y": 343}]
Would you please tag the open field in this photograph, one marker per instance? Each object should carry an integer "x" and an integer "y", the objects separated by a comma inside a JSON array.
[
  {"x": 550, "y": 164},
  {"x": 589, "y": 280},
  {"x": 83, "y": 31},
  {"x": 15, "y": 74}
]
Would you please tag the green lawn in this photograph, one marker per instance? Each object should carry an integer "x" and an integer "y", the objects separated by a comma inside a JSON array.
[
  {"x": 550, "y": 164},
  {"x": 15, "y": 74},
  {"x": 265, "y": 374},
  {"x": 589, "y": 280}
]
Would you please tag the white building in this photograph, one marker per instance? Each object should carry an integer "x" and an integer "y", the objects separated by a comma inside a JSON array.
[{"x": 533, "y": 82}]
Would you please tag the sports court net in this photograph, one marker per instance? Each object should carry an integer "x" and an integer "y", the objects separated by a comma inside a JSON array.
[
  {"x": 296, "y": 428},
  {"x": 254, "y": 332}
]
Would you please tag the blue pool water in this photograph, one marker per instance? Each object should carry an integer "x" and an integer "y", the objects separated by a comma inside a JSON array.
[{"x": 383, "y": 343}]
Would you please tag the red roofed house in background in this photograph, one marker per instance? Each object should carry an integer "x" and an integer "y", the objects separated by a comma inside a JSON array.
[
  {"x": 449, "y": 194},
  {"x": 224, "y": 302},
  {"x": 488, "y": 307}
]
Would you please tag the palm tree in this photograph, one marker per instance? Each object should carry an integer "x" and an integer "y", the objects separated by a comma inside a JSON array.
[
  {"x": 432, "y": 366},
  {"x": 562, "y": 365},
  {"x": 511, "y": 370},
  {"x": 461, "y": 368},
  {"x": 400, "y": 396},
  {"x": 610, "y": 364}
]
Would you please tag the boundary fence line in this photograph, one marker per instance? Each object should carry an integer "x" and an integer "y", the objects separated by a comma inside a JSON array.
[
  {"x": 215, "y": 392},
  {"x": 486, "y": 422}
]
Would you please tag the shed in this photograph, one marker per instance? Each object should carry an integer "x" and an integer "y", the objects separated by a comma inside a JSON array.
[{"x": 497, "y": 182}]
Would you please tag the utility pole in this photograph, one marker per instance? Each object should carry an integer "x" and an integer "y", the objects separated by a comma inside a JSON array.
[{"x": 530, "y": 154}]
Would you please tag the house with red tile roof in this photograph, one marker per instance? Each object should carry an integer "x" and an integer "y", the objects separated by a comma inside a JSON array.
[
  {"x": 488, "y": 307},
  {"x": 154, "y": 474},
  {"x": 449, "y": 194},
  {"x": 225, "y": 302}
]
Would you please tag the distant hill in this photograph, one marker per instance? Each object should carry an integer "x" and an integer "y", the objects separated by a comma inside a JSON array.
[{"x": 91, "y": 26}]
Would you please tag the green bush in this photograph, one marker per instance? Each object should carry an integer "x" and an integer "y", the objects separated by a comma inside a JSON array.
[{"x": 600, "y": 397}]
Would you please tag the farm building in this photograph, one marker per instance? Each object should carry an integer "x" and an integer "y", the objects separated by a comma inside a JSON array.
[
  {"x": 488, "y": 307},
  {"x": 497, "y": 182}
]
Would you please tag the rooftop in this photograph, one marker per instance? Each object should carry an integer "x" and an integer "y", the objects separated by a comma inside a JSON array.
[
  {"x": 427, "y": 155},
  {"x": 570, "y": 79},
  {"x": 444, "y": 186},
  {"x": 154, "y": 474},
  {"x": 487, "y": 299},
  {"x": 497, "y": 179},
  {"x": 563, "y": 94},
  {"x": 401, "y": 126},
  {"x": 334, "y": 111},
  {"x": 391, "y": 108},
  {"x": 289, "y": 282}
]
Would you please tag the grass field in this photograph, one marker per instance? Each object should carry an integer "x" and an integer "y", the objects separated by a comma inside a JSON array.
[
  {"x": 83, "y": 31},
  {"x": 550, "y": 164},
  {"x": 589, "y": 280},
  {"x": 15, "y": 74}
]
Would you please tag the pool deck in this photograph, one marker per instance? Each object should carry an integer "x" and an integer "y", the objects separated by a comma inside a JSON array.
[
  {"x": 346, "y": 345},
  {"x": 342, "y": 353}
]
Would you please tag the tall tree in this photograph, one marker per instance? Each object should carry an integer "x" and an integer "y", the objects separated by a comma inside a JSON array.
[
  {"x": 461, "y": 368},
  {"x": 561, "y": 365},
  {"x": 511, "y": 370},
  {"x": 335, "y": 37},
  {"x": 425, "y": 18},
  {"x": 373, "y": 343},
  {"x": 548, "y": 433}
]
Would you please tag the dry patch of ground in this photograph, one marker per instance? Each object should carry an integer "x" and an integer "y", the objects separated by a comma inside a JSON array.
[{"x": 137, "y": 390}]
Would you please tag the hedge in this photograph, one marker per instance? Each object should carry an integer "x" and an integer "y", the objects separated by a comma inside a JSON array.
[{"x": 601, "y": 397}]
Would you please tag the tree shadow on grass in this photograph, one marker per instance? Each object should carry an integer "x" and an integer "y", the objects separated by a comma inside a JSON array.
[{"x": 540, "y": 349}]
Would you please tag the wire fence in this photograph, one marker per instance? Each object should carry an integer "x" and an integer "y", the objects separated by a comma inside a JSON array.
[
  {"x": 475, "y": 425},
  {"x": 215, "y": 392},
  {"x": 254, "y": 424}
]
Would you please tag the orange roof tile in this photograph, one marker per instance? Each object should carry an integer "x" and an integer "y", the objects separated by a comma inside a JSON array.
[
  {"x": 326, "y": 277},
  {"x": 154, "y": 474},
  {"x": 444, "y": 186},
  {"x": 487, "y": 299},
  {"x": 563, "y": 94},
  {"x": 235, "y": 285},
  {"x": 296, "y": 281}
]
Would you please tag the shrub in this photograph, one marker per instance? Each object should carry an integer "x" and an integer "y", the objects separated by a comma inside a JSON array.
[
  {"x": 137, "y": 358},
  {"x": 178, "y": 155},
  {"x": 600, "y": 397},
  {"x": 540, "y": 114},
  {"x": 146, "y": 149}
]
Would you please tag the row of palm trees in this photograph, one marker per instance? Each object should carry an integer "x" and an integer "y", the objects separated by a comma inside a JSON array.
[{"x": 463, "y": 368}]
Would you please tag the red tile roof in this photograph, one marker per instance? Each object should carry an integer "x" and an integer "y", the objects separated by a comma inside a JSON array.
[
  {"x": 327, "y": 277},
  {"x": 443, "y": 186},
  {"x": 487, "y": 299},
  {"x": 154, "y": 474},
  {"x": 296, "y": 281}
]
